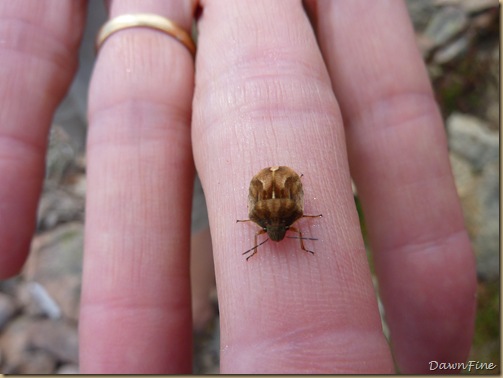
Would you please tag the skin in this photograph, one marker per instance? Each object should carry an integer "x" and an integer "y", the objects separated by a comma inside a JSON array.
[{"x": 265, "y": 94}]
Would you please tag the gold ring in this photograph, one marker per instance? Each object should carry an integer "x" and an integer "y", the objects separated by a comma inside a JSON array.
[{"x": 144, "y": 20}]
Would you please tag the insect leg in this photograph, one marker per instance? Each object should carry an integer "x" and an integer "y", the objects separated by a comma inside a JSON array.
[
  {"x": 255, "y": 248},
  {"x": 312, "y": 216},
  {"x": 301, "y": 239}
]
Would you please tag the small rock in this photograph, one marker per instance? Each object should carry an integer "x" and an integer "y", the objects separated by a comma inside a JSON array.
[
  {"x": 447, "y": 23},
  {"x": 486, "y": 241},
  {"x": 60, "y": 155},
  {"x": 44, "y": 301},
  {"x": 464, "y": 176},
  {"x": 58, "y": 206},
  {"x": 68, "y": 369},
  {"x": 199, "y": 217},
  {"x": 37, "y": 362},
  {"x": 29, "y": 306},
  {"x": 474, "y": 160},
  {"x": 57, "y": 337},
  {"x": 471, "y": 139},
  {"x": 7, "y": 309},
  {"x": 79, "y": 186},
  {"x": 470, "y": 6},
  {"x": 9, "y": 286},
  {"x": 206, "y": 359},
  {"x": 452, "y": 50},
  {"x": 421, "y": 12},
  {"x": 55, "y": 263},
  {"x": 14, "y": 344},
  {"x": 491, "y": 95},
  {"x": 31, "y": 345}
]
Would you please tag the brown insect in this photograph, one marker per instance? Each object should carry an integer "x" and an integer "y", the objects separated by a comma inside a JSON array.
[{"x": 275, "y": 202}]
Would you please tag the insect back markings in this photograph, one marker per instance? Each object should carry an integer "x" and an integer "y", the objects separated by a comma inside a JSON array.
[{"x": 275, "y": 203}]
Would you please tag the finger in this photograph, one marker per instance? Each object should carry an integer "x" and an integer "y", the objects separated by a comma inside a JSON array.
[
  {"x": 38, "y": 51},
  {"x": 135, "y": 308},
  {"x": 263, "y": 98},
  {"x": 398, "y": 158}
]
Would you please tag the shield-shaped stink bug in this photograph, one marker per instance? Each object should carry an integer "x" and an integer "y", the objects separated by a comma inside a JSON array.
[{"x": 275, "y": 203}]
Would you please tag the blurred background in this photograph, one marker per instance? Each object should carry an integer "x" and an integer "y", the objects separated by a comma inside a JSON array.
[{"x": 39, "y": 309}]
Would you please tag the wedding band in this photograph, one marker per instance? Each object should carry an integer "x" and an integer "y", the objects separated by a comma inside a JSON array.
[{"x": 144, "y": 20}]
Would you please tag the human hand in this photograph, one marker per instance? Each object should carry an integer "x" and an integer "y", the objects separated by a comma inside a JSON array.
[{"x": 264, "y": 96}]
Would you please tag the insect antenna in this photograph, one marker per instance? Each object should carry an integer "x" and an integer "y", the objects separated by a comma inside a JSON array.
[
  {"x": 251, "y": 249},
  {"x": 303, "y": 238}
]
